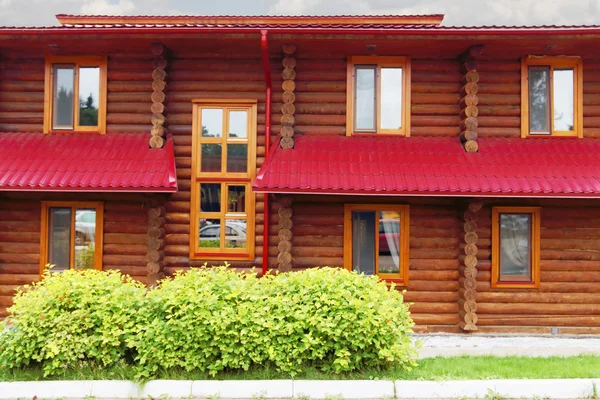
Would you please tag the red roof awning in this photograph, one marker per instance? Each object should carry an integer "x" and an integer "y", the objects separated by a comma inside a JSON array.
[
  {"x": 85, "y": 162},
  {"x": 434, "y": 166}
]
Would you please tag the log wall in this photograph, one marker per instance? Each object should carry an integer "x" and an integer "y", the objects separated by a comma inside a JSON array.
[
  {"x": 193, "y": 77},
  {"x": 124, "y": 249},
  {"x": 568, "y": 297}
]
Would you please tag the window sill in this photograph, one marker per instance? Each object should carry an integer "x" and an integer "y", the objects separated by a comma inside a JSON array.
[
  {"x": 61, "y": 132},
  {"x": 378, "y": 134},
  {"x": 515, "y": 285},
  {"x": 221, "y": 256}
]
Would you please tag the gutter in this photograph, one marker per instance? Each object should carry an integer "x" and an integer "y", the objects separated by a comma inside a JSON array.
[{"x": 264, "y": 44}]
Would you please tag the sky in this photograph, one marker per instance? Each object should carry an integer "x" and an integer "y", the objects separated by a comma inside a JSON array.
[{"x": 458, "y": 12}]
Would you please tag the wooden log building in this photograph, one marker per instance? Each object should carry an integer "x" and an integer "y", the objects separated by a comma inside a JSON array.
[{"x": 460, "y": 163}]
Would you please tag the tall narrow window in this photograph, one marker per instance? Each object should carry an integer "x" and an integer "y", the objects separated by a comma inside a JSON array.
[
  {"x": 75, "y": 94},
  {"x": 552, "y": 96},
  {"x": 376, "y": 240},
  {"x": 71, "y": 236},
  {"x": 222, "y": 203},
  {"x": 378, "y": 95},
  {"x": 515, "y": 242}
]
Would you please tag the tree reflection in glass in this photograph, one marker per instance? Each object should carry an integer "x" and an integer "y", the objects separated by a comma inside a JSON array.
[{"x": 539, "y": 99}]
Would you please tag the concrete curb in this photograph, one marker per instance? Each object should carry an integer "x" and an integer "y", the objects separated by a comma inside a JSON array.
[{"x": 287, "y": 389}]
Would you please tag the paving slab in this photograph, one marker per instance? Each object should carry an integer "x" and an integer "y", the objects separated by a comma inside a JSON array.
[{"x": 530, "y": 346}]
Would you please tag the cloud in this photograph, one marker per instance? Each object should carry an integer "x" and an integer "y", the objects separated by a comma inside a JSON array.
[
  {"x": 104, "y": 7},
  {"x": 458, "y": 12}
]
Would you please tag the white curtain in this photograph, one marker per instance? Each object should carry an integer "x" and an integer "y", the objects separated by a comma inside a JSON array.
[{"x": 391, "y": 229}]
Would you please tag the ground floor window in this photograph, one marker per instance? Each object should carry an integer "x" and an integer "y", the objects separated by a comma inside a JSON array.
[
  {"x": 376, "y": 240},
  {"x": 71, "y": 235},
  {"x": 515, "y": 247}
]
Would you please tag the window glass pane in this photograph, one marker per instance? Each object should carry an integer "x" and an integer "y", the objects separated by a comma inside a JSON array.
[
  {"x": 59, "y": 238},
  {"x": 389, "y": 242},
  {"x": 539, "y": 99},
  {"x": 391, "y": 98},
  {"x": 210, "y": 233},
  {"x": 89, "y": 95},
  {"x": 238, "y": 124},
  {"x": 237, "y": 158},
  {"x": 515, "y": 247},
  {"x": 64, "y": 76},
  {"x": 236, "y": 199},
  {"x": 363, "y": 242},
  {"x": 235, "y": 233},
  {"x": 210, "y": 197},
  {"x": 211, "y": 157},
  {"x": 212, "y": 122},
  {"x": 365, "y": 98},
  {"x": 563, "y": 99},
  {"x": 85, "y": 238}
]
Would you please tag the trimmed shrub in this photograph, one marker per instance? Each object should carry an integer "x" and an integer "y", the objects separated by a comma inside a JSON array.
[
  {"x": 215, "y": 319},
  {"x": 71, "y": 317}
]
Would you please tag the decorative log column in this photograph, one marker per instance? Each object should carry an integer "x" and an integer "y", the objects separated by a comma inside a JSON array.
[
  {"x": 469, "y": 100},
  {"x": 467, "y": 303},
  {"x": 289, "y": 85},
  {"x": 156, "y": 243},
  {"x": 284, "y": 257},
  {"x": 159, "y": 83}
]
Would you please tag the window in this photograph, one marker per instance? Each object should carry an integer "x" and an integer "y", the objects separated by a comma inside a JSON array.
[
  {"x": 376, "y": 240},
  {"x": 224, "y": 160},
  {"x": 71, "y": 236},
  {"x": 378, "y": 95},
  {"x": 75, "y": 95},
  {"x": 551, "y": 96},
  {"x": 516, "y": 247}
]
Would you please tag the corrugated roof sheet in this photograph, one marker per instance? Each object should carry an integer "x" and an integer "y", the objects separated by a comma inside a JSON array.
[
  {"x": 85, "y": 162},
  {"x": 388, "y": 165}
]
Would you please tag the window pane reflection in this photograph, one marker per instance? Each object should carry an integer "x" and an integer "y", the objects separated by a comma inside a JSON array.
[
  {"x": 391, "y": 98},
  {"x": 515, "y": 247},
  {"x": 85, "y": 238},
  {"x": 212, "y": 122},
  {"x": 563, "y": 100},
  {"x": 539, "y": 99},
  {"x": 389, "y": 242},
  {"x": 235, "y": 233},
  {"x": 365, "y": 98},
  {"x": 211, "y": 157},
  {"x": 59, "y": 238},
  {"x": 363, "y": 242},
  {"x": 210, "y": 233},
  {"x": 89, "y": 95},
  {"x": 64, "y": 76},
  {"x": 238, "y": 124},
  {"x": 236, "y": 199},
  {"x": 210, "y": 197},
  {"x": 237, "y": 158}
]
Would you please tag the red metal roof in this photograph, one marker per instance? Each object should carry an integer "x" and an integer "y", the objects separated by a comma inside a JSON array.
[
  {"x": 434, "y": 166},
  {"x": 85, "y": 162}
]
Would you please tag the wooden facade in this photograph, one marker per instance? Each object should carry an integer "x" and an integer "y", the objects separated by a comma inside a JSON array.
[{"x": 227, "y": 67}]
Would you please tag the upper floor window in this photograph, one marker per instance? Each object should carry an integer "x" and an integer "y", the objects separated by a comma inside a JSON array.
[
  {"x": 223, "y": 164},
  {"x": 378, "y": 95},
  {"x": 71, "y": 235},
  {"x": 552, "y": 96},
  {"x": 376, "y": 240},
  {"x": 515, "y": 247},
  {"x": 75, "y": 94}
]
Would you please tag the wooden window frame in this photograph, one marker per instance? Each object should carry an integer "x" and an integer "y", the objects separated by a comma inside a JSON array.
[
  {"x": 77, "y": 62},
  {"x": 381, "y": 62},
  {"x": 98, "y": 240},
  {"x": 223, "y": 178},
  {"x": 400, "y": 278},
  {"x": 553, "y": 63},
  {"x": 535, "y": 248}
]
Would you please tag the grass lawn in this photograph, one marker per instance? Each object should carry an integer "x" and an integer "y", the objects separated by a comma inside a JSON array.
[{"x": 454, "y": 368}]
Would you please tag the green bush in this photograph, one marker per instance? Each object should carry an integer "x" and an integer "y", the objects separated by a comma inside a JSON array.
[
  {"x": 216, "y": 319},
  {"x": 71, "y": 317},
  {"x": 209, "y": 320}
]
